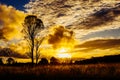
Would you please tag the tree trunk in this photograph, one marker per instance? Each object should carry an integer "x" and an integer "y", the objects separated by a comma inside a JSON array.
[
  {"x": 32, "y": 51},
  {"x": 36, "y": 56}
]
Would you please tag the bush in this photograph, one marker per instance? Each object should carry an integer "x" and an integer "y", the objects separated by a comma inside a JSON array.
[
  {"x": 1, "y": 61},
  {"x": 43, "y": 61},
  {"x": 54, "y": 60},
  {"x": 10, "y": 61}
]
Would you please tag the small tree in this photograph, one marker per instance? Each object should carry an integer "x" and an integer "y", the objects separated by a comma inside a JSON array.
[{"x": 31, "y": 27}]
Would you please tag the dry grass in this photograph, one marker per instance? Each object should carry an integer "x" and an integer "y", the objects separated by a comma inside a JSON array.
[{"x": 95, "y": 71}]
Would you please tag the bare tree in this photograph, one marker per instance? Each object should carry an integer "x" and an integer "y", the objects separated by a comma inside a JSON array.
[{"x": 31, "y": 27}]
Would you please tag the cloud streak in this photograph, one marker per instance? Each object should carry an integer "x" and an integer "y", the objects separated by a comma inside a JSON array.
[{"x": 101, "y": 44}]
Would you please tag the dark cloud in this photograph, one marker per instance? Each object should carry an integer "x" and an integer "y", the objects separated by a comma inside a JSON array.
[
  {"x": 92, "y": 0},
  {"x": 101, "y": 17},
  {"x": 7, "y": 52},
  {"x": 100, "y": 44},
  {"x": 60, "y": 14},
  {"x": 60, "y": 34}
]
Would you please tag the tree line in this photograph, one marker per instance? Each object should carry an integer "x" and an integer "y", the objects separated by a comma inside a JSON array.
[
  {"x": 43, "y": 61},
  {"x": 9, "y": 61}
]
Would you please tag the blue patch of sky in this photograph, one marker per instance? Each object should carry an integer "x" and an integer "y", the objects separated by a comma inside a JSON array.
[
  {"x": 18, "y": 4},
  {"x": 115, "y": 33}
]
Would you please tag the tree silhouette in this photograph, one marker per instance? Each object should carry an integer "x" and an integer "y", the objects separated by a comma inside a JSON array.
[
  {"x": 10, "y": 61},
  {"x": 43, "y": 61},
  {"x": 31, "y": 27}
]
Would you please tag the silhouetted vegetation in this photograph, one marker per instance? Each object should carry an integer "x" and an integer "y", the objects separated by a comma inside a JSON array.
[
  {"x": 1, "y": 61},
  {"x": 54, "y": 60},
  {"x": 43, "y": 61},
  {"x": 32, "y": 26},
  {"x": 105, "y": 59},
  {"x": 61, "y": 72},
  {"x": 101, "y": 70},
  {"x": 10, "y": 61}
]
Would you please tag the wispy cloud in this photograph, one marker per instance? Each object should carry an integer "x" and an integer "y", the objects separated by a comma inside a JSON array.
[
  {"x": 101, "y": 17},
  {"x": 83, "y": 16}
]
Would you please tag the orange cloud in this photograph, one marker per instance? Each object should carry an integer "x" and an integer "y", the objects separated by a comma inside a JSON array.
[
  {"x": 61, "y": 37},
  {"x": 10, "y": 22},
  {"x": 20, "y": 47}
]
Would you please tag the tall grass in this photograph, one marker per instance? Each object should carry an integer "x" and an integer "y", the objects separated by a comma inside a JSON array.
[{"x": 95, "y": 71}]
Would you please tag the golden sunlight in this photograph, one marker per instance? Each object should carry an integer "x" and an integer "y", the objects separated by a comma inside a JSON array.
[
  {"x": 62, "y": 53},
  {"x": 63, "y": 50}
]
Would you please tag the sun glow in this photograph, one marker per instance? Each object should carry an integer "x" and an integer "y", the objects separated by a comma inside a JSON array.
[
  {"x": 63, "y": 50},
  {"x": 62, "y": 53}
]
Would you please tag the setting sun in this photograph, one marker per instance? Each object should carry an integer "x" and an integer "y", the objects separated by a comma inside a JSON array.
[
  {"x": 62, "y": 50},
  {"x": 62, "y": 53}
]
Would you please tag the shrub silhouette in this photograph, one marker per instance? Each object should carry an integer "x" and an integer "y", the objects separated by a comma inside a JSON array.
[
  {"x": 54, "y": 60},
  {"x": 43, "y": 61},
  {"x": 10, "y": 61},
  {"x": 1, "y": 61}
]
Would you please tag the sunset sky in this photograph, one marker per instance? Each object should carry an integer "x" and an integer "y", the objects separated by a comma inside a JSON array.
[{"x": 93, "y": 26}]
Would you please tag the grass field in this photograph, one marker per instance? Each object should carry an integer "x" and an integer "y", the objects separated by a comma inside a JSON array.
[{"x": 67, "y": 72}]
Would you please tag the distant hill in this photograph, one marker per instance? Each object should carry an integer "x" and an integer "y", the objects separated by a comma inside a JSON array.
[
  {"x": 7, "y": 52},
  {"x": 104, "y": 59}
]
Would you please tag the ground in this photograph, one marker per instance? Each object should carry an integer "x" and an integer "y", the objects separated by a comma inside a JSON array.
[{"x": 74, "y": 72}]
